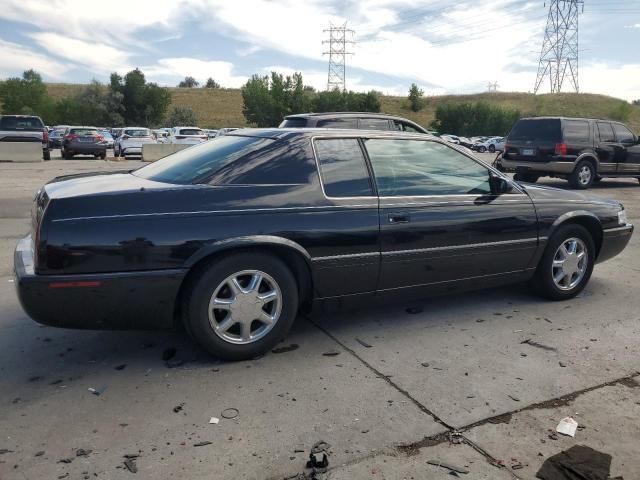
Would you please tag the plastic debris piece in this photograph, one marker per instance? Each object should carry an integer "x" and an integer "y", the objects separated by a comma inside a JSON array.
[
  {"x": 448, "y": 466},
  {"x": 567, "y": 426},
  {"x": 97, "y": 391},
  {"x": 130, "y": 463},
  {"x": 202, "y": 444},
  {"x": 214, "y": 420},
  {"x": 363, "y": 343}
]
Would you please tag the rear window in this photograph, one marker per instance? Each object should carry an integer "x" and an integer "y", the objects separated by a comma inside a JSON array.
[
  {"x": 576, "y": 131},
  {"x": 83, "y": 132},
  {"x": 294, "y": 123},
  {"x": 338, "y": 123},
  {"x": 342, "y": 168},
  {"x": 20, "y": 123},
  {"x": 374, "y": 124},
  {"x": 201, "y": 162},
  {"x": 141, "y": 132},
  {"x": 541, "y": 130},
  {"x": 190, "y": 131}
]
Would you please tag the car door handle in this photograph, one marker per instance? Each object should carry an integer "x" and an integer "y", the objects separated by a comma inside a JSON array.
[{"x": 399, "y": 218}]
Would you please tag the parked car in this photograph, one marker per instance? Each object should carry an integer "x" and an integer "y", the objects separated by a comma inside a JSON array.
[
  {"x": 211, "y": 133},
  {"x": 451, "y": 139},
  {"x": 83, "y": 141},
  {"x": 223, "y": 131},
  {"x": 359, "y": 120},
  {"x": 55, "y": 138},
  {"x": 493, "y": 144},
  {"x": 162, "y": 136},
  {"x": 108, "y": 138},
  {"x": 330, "y": 213},
  {"x": 25, "y": 128},
  {"x": 187, "y": 135},
  {"x": 131, "y": 140},
  {"x": 581, "y": 150},
  {"x": 465, "y": 142}
]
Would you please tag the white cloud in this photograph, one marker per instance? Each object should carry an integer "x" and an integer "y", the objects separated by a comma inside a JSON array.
[
  {"x": 17, "y": 58},
  {"x": 169, "y": 71}
]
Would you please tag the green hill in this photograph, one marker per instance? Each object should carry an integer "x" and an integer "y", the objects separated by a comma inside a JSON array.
[{"x": 223, "y": 107}]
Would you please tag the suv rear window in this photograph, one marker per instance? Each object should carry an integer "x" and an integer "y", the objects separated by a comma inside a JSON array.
[
  {"x": 576, "y": 131},
  {"x": 294, "y": 123},
  {"x": 191, "y": 131},
  {"x": 20, "y": 123},
  {"x": 139, "y": 132},
  {"x": 547, "y": 129}
]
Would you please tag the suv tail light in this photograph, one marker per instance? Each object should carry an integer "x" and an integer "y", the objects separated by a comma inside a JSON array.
[
  {"x": 561, "y": 149},
  {"x": 45, "y": 136}
]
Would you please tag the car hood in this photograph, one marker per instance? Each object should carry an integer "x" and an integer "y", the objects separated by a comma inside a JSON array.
[
  {"x": 100, "y": 183},
  {"x": 545, "y": 193}
]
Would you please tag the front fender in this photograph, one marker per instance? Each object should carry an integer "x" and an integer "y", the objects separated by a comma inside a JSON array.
[{"x": 247, "y": 241}]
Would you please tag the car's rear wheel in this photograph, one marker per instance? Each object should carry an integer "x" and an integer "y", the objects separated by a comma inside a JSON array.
[
  {"x": 482, "y": 149},
  {"x": 240, "y": 306},
  {"x": 567, "y": 263},
  {"x": 103, "y": 155},
  {"x": 492, "y": 148},
  {"x": 583, "y": 175},
  {"x": 46, "y": 155},
  {"x": 526, "y": 177}
]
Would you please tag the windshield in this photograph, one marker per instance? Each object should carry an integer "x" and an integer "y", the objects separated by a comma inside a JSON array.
[
  {"x": 137, "y": 133},
  {"x": 547, "y": 129},
  {"x": 198, "y": 163}
]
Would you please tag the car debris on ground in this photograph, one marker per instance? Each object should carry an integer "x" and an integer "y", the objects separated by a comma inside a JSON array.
[
  {"x": 567, "y": 426},
  {"x": 448, "y": 466}
]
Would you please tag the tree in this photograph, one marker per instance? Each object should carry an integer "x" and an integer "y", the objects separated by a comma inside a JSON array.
[
  {"x": 415, "y": 98},
  {"x": 143, "y": 103},
  {"x": 211, "y": 83},
  {"x": 27, "y": 95},
  {"x": 337, "y": 101},
  {"x": 188, "y": 82},
  {"x": 470, "y": 119},
  {"x": 181, "y": 116},
  {"x": 636, "y": 102},
  {"x": 621, "y": 112}
]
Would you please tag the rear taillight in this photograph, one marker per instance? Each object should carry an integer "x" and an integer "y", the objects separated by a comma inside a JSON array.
[
  {"x": 71, "y": 136},
  {"x": 45, "y": 136},
  {"x": 99, "y": 138},
  {"x": 561, "y": 149}
]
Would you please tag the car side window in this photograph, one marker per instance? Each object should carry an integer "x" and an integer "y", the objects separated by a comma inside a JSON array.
[
  {"x": 404, "y": 127},
  {"x": 342, "y": 168},
  {"x": 337, "y": 123},
  {"x": 415, "y": 167},
  {"x": 623, "y": 134},
  {"x": 576, "y": 131},
  {"x": 373, "y": 124},
  {"x": 606, "y": 132}
]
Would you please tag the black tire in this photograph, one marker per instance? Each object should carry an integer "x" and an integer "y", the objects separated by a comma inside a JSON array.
[
  {"x": 482, "y": 149},
  {"x": 579, "y": 179},
  {"x": 543, "y": 282},
  {"x": 198, "y": 293},
  {"x": 46, "y": 155},
  {"x": 492, "y": 148},
  {"x": 526, "y": 177},
  {"x": 103, "y": 155}
]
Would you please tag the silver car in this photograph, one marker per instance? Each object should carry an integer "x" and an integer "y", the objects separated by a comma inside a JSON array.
[{"x": 131, "y": 139}]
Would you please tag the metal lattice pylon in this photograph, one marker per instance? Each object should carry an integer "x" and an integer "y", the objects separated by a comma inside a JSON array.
[
  {"x": 559, "y": 54},
  {"x": 337, "y": 55}
]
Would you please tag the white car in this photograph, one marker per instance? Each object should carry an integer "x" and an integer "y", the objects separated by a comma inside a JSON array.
[
  {"x": 492, "y": 145},
  {"x": 131, "y": 139},
  {"x": 451, "y": 139},
  {"x": 162, "y": 136},
  {"x": 224, "y": 131},
  {"x": 211, "y": 133},
  {"x": 187, "y": 135}
]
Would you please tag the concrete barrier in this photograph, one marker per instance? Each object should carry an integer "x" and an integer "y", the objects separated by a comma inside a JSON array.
[
  {"x": 155, "y": 151},
  {"x": 21, "y": 152}
]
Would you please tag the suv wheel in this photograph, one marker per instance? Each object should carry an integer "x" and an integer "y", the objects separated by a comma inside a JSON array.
[
  {"x": 583, "y": 175},
  {"x": 240, "y": 306},
  {"x": 566, "y": 265}
]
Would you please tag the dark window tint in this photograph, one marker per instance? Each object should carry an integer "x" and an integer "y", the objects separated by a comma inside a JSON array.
[
  {"x": 606, "y": 132},
  {"x": 413, "y": 167},
  {"x": 83, "y": 132},
  {"x": 373, "y": 124},
  {"x": 623, "y": 134},
  {"x": 337, "y": 123},
  {"x": 342, "y": 168},
  {"x": 294, "y": 123},
  {"x": 191, "y": 131},
  {"x": 576, "y": 131},
  {"x": 200, "y": 162},
  {"x": 547, "y": 129},
  {"x": 20, "y": 123},
  {"x": 138, "y": 132}
]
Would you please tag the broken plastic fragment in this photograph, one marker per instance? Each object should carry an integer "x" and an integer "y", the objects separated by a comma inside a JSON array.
[
  {"x": 214, "y": 420},
  {"x": 567, "y": 426}
]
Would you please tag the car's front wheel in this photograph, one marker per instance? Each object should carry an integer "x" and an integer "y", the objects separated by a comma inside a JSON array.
[
  {"x": 567, "y": 263},
  {"x": 492, "y": 148},
  {"x": 240, "y": 306}
]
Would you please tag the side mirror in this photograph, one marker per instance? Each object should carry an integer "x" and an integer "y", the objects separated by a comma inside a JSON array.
[{"x": 499, "y": 185}]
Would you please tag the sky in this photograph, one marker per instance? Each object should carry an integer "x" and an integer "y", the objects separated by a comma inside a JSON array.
[{"x": 445, "y": 47}]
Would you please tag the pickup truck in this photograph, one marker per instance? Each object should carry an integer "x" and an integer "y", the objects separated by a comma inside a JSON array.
[{"x": 25, "y": 128}]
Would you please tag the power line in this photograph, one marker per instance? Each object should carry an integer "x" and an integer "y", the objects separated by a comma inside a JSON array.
[
  {"x": 337, "y": 55},
  {"x": 559, "y": 54}
]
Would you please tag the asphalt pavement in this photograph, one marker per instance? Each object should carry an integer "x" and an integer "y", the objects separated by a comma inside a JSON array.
[{"x": 477, "y": 381}]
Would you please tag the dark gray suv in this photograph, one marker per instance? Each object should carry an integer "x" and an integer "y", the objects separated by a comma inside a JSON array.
[{"x": 355, "y": 120}]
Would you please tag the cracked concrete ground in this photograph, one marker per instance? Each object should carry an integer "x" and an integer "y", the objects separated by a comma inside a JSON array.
[{"x": 458, "y": 364}]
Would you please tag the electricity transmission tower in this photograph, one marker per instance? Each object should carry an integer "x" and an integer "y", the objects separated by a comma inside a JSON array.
[
  {"x": 559, "y": 54},
  {"x": 337, "y": 52},
  {"x": 492, "y": 87}
]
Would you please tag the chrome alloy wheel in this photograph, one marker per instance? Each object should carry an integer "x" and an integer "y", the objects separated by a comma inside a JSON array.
[
  {"x": 245, "y": 307},
  {"x": 569, "y": 264},
  {"x": 584, "y": 175}
]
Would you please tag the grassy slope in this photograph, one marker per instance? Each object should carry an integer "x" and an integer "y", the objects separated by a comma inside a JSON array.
[{"x": 223, "y": 107}]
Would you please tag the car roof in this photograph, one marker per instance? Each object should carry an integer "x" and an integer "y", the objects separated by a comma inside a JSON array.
[
  {"x": 346, "y": 114},
  {"x": 82, "y": 126},
  {"x": 291, "y": 133},
  {"x": 570, "y": 118}
]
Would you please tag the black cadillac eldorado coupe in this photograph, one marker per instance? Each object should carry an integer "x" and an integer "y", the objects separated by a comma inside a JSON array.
[{"x": 232, "y": 236}]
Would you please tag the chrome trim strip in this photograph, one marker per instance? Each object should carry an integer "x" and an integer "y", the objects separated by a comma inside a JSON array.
[
  {"x": 619, "y": 229},
  {"x": 346, "y": 256},
  {"x": 459, "y": 247}
]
